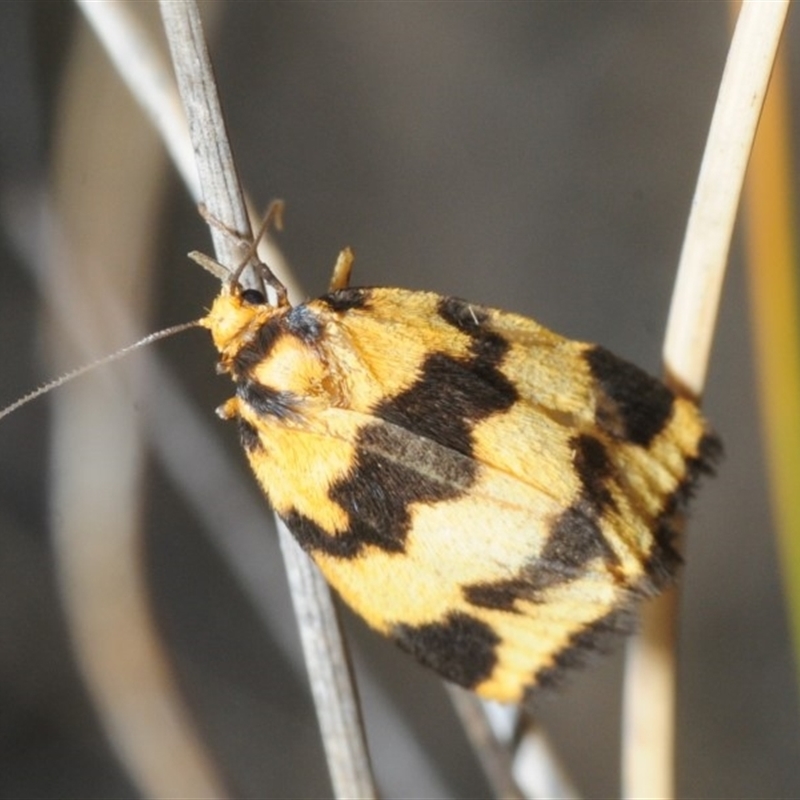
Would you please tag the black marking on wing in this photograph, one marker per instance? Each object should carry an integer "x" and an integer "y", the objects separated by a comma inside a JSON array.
[
  {"x": 461, "y": 648},
  {"x": 445, "y": 401},
  {"x": 301, "y": 322},
  {"x": 248, "y": 435},
  {"x": 595, "y": 469},
  {"x": 488, "y": 347},
  {"x": 347, "y": 299},
  {"x": 593, "y": 637},
  {"x": 267, "y": 401},
  {"x": 255, "y": 351},
  {"x": 393, "y": 469},
  {"x": 635, "y": 406},
  {"x": 462, "y": 315},
  {"x": 452, "y": 394},
  {"x": 664, "y": 561},
  {"x": 500, "y": 595},
  {"x": 349, "y": 544},
  {"x": 575, "y": 539},
  {"x": 709, "y": 453}
]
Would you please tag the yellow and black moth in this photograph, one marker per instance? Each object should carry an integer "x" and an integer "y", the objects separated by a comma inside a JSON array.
[{"x": 491, "y": 496}]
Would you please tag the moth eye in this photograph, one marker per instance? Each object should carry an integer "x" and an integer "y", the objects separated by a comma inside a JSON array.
[{"x": 252, "y": 297}]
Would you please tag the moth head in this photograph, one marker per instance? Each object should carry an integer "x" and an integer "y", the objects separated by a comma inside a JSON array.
[
  {"x": 235, "y": 315},
  {"x": 238, "y": 310}
]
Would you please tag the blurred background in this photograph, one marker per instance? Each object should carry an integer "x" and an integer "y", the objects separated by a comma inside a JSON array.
[{"x": 539, "y": 157}]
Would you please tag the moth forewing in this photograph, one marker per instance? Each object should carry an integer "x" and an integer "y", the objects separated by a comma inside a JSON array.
[{"x": 490, "y": 495}]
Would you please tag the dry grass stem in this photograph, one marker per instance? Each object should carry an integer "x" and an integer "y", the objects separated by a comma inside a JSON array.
[
  {"x": 514, "y": 753},
  {"x": 492, "y": 749},
  {"x": 537, "y": 770},
  {"x": 649, "y": 703},
  {"x": 220, "y": 190},
  {"x": 335, "y": 699},
  {"x": 693, "y": 312}
]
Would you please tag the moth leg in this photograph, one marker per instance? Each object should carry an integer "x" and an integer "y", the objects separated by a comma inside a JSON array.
[
  {"x": 242, "y": 239},
  {"x": 219, "y": 271},
  {"x": 229, "y": 409},
  {"x": 342, "y": 269},
  {"x": 273, "y": 217}
]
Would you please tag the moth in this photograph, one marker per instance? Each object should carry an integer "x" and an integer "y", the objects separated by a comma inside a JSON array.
[{"x": 489, "y": 495}]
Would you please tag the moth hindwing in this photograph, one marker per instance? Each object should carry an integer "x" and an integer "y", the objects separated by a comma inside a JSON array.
[{"x": 486, "y": 493}]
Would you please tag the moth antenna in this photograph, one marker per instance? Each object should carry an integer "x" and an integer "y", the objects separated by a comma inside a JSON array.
[{"x": 75, "y": 373}]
